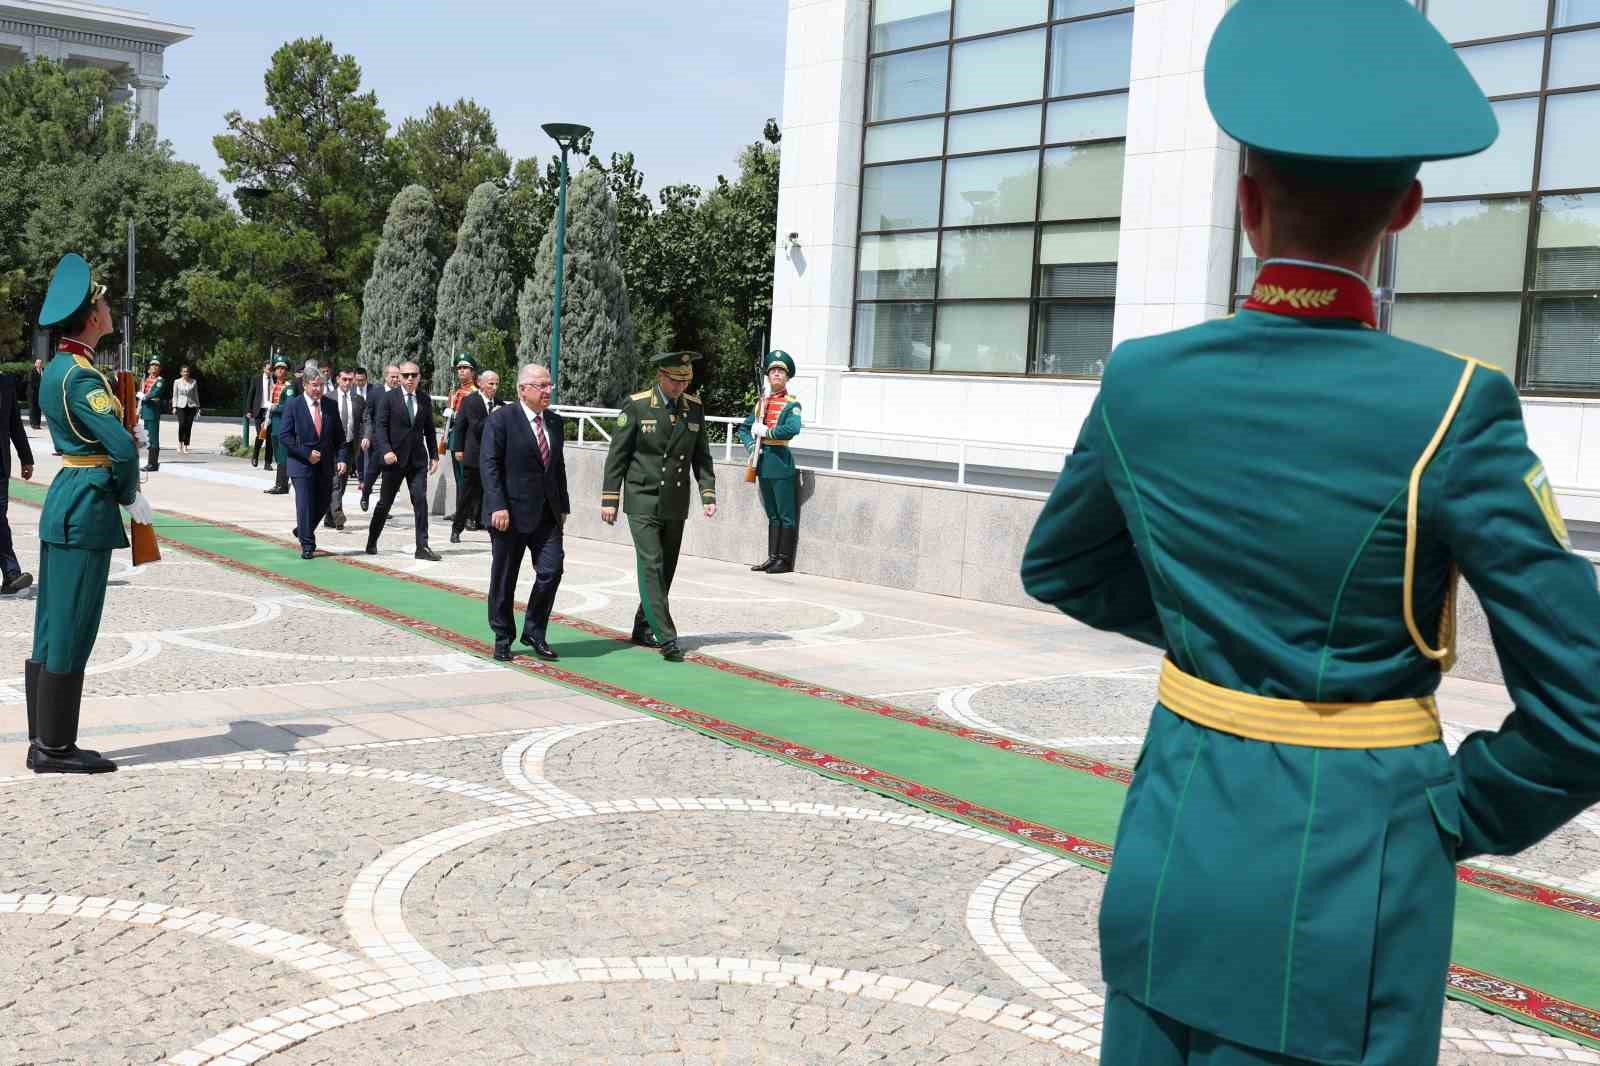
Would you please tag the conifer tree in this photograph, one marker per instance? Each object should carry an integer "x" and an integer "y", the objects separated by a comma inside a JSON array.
[
  {"x": 598, "y": 360},
  {"x": 399, "y": 300},
  {"x": 476, "y": 292}
]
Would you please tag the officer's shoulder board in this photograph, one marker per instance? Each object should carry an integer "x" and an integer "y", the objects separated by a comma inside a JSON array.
[
  {"x": 691, "y": 397},
  {"x": 644, "y": 395}
]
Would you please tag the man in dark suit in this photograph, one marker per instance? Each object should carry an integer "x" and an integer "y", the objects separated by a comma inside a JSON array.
[
  {"x": 374, "y": 460},
  {"x": 352, "y": 404},
  {"x": 467, "y": 434},
  {"x": 407, "y": 444},
  {"x": 525, "y": 506},
  {"x": 12, "y": 577},
  {"x": 257, "y": 399},
  {"x": 35, "y": 412},
  {"x": 314, "y": 441}
]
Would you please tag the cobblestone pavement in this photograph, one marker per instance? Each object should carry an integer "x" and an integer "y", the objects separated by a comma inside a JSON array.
[{"x": 335, "y": 841}]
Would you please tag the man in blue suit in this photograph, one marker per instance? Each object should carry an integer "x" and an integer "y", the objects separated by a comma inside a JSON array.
[
  {"x": 525, "y": 506},
  {"x": 314, "y": 441}
]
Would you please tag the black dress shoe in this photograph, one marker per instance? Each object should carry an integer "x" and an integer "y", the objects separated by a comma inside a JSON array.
[
  {"x": 644, "y": 638},
  {"x": 541, "y": 649},
  {"x": 372, "y": 549},
  {"x": 277, "y": 492},
  {"x": 428, "y": 554},
  {"x": 363, "y": 501},
  {"x": 502, "y": 652},
  {"x": 308, "y": 553},
  {"x": 671, "y": 652},
  {"x": 255, "y": 462},
  {"x": 15, "y": 583},
  {"x": 455, "y": 538}
]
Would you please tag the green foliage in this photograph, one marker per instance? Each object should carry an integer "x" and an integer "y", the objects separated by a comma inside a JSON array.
[
  {"x": 292, "y": 274},
  {"x": 598, "y": 357},
  {"x": 451, "y": 150},
  {"x": 477, "y": 290},
  {"x": 496, "y": 349},
  {"x": 235, "y": 447},
  {"x": 398, "y": 303},
  {"x": 13, "y": 320}
]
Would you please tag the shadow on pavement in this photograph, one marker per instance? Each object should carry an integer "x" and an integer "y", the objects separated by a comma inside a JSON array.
[{"x": 241, "y": 736}]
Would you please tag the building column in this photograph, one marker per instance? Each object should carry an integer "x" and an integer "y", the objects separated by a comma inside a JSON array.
[
  {"x": 147, "y": 90},
  {"x": 825, "y": 79},
  {"x": 1178, "y": 195}
]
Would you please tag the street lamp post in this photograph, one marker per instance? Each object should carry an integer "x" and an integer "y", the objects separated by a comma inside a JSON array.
[{"x": 567, "y": 135}]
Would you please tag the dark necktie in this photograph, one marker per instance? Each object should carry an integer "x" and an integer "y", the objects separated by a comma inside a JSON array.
[
  {"x": 544, "y": 444},
  {"x": 411, "y": 407}
]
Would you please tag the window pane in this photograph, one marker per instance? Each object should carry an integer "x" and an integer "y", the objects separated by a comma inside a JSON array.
[
  {"x": 904, "y": 23},
  {"x": 903, "y": 140},
  {"x": 1083, "y": 182},
  {"x": 1484, "y": 327},
  {"x": 1564, "y": 351},
  {"x": 898, "y": 268},
  {"x": 1066, "y": 9},
  {"x": 986, "y": 16},
  {"x": 1249, "y": 267},
  {"x": 1575, "y": 58},
  {"x": 911, "y": 83},
  {"x": 986, "y": 189},
  {"x": 1508, "y": 67},
  {"x": 1074, "y": 339},
  {"x": 1079, "y": 260},
  {"x": 893, "y": 336},
  {"x": 1086, "y": 57},
  {"x": 985, "y": 263},
  {"x": 1507, "y": 167},
  {"x": 992, "y": 338},
  {"x": 1475, "y": 246},
  {"x": 1577, "y": 12},
  {"x": 987, "y": 131},
  {"x": 998, "y": 70},
  {"x": 1571, "y": 149},
  {"x": 1569, "y": 243},
  {"x": 1089, "y": 119},
  {"x": 900, "y": 197},
  {"x": 1471, "y": 20}
]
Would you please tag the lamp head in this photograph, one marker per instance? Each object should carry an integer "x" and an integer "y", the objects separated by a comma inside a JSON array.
[{"x": 566, "y": 134}]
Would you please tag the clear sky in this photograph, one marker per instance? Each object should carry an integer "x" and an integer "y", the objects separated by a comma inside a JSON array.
[{"x": 680, "y": 83}]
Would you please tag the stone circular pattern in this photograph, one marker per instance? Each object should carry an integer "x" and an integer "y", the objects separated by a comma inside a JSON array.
[
  {"x": 1085, "y": 706},
  {"x": 672, "y": 1024},
  {"x": 859, "y": 895}
]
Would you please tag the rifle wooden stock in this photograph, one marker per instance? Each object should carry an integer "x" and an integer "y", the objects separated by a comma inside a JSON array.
[{"x": 141, "y": 537}]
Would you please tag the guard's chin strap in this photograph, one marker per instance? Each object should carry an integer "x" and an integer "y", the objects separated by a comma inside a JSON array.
[{"x": 1445, "y": 653}]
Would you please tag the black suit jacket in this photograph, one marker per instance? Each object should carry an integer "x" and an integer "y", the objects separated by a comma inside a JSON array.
[
  {"x": 514, "y": 479},
  {"x": 414, "y": 442},
  {"x": 254, "y": 398},
  {"x": 474, "y": 414},
  {"x": 376, "y": 391},
  {"x": 11, "y": 421},
  {"x": 355, "y": 426}
]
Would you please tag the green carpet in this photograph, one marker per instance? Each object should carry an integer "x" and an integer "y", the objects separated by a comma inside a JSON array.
[{"x": 1528, "y": 953}]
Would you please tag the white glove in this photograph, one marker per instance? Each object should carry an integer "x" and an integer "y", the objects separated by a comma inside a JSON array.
[
  {"x": 140, "y": 436},
  {"x": 758, "y": 430},
  {"x": 139, "y": 396},
  {"x": 139, "y": 510}
]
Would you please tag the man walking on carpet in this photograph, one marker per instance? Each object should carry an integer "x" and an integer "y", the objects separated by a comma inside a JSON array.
[
  {"x": 1284, "y": 883},
  {"x": 466, "y": 446},
  {"x": 313, "y": 439},
  {"x": 408, "y": 451}
]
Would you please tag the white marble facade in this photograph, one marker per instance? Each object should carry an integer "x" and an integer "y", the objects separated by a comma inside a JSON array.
[
  {"x": 1175, "y": 263},
  {"x": 129, "y": 44}
]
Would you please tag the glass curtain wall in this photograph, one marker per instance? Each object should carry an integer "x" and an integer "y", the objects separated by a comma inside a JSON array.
[{"x": 991, "y": 185}]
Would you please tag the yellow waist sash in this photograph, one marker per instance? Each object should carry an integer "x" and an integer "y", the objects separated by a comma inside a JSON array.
[
  {"x": 1384, "y": 724},
  {"x": 79, "y": 461}
]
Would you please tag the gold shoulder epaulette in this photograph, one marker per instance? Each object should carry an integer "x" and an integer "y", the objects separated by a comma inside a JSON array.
[
  {"x": 645, "y": 395},
  {"x": 691, "y": 397}
]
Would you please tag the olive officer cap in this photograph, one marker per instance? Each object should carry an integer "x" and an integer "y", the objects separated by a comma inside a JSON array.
[
  {"x": 780, "y": 358},
  {"x": 69, "y": 285},
  {"x": 677, "y": 365},
  {"x": 1357, "y": 93},
  {"x": 465, "y": 359}
]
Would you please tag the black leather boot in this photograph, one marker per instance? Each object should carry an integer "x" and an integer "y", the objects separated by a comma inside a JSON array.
[
  {"x": 56, "y": 752},
  {"x": 772, "y": 549},
  {"x": 786, "y": 544},
  {"x": 152, "y": 462},
  {"x": 641, "y": 632},
  {"x": 30, "y": 674}
]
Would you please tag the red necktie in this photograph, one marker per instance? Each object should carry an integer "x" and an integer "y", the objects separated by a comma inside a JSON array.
[
  {"x": 544, "y": 445},
  {"x": 316, "y": 418}
]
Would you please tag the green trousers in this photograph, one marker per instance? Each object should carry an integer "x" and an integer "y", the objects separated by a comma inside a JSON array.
[
  {"x": 66, "y": 615},
  {"x": 655, "y": 553},
  {"x": 1135, "y": 1035},
  {"x": 152, "y": 426},
  {"x": 780, "y": 501}
]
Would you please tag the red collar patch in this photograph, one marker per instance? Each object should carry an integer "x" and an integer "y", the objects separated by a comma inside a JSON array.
[
  {"x": 1311, "y": 292},
  {"x": 67, "y": 344}
]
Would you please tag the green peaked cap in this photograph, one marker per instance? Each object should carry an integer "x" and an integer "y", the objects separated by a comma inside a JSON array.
[
  {"x": 778, "y": 357},
  {"x": 465, "y": 359},
  {"x": 68, "y": 286},
  {"x": 1354, "y": 92}
]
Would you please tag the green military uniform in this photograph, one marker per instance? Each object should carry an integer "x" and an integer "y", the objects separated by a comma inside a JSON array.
[
  {"x": 1282, "y": 501},
  {"x": 656, "y": 446},
  {"x": 275, "y": 411},
  {"x": 150, "y": 408},
  {"x": 775, "y": 468},
  {"x": 78, "y": 529}
]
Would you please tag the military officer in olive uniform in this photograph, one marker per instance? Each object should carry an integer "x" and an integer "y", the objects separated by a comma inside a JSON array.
[
  {"x": 659, "y": 440},
  {"x": 152, "y": 398},
  {"x": 1283, "y": 888},
  {"x": 284, "y": 389},
  {"x": 79, "y": 525},
  {"x": 767, "y": 431}
]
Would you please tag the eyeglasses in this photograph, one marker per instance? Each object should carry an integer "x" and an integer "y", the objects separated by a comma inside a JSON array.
[
  {"x": 415, "y": 375},
  {"x": 545, "y": 387}
]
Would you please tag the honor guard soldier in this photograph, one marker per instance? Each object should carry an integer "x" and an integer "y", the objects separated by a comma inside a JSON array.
[
  {"x": 79, "y": 526},
  {"x": 284, "y": 389},
  {"x": 1283, "y": 501},
  {"x": 152, "y": 398},
  {"x": 466, "y": 384},
  {"x": 658, "y": 442},
  {"x": 767, "y": 433}
]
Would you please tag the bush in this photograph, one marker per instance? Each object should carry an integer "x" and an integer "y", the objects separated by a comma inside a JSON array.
[{"x": 235, "y": 446}]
